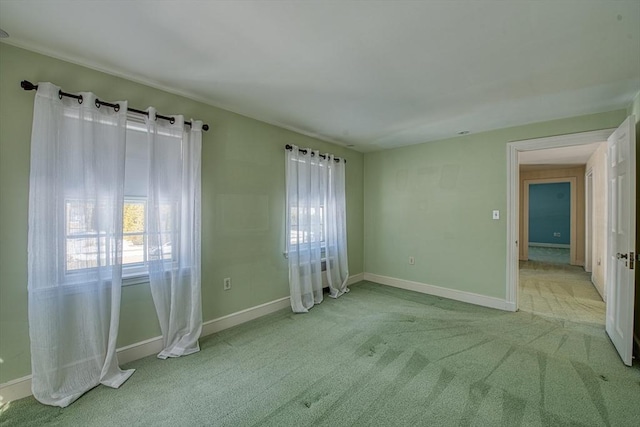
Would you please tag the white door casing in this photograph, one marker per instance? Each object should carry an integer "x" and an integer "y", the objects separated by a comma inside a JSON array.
[
  {"x": 513, "y": 207},
  {"x": 621, "y": 173},
  {"x": 588, "y": 211}
]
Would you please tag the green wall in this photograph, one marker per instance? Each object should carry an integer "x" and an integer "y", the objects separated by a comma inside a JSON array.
[
  {"x": 433, "y": 201},
  {"x": 242, "y": 202}
]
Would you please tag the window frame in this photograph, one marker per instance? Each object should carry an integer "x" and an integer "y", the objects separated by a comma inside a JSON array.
[
  {"x": 132, "y": 273},
  {"x": 288, "y": 246}
]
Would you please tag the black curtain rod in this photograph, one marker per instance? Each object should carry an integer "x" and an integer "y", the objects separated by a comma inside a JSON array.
[
  {"x": 27, "y": 85},
  {"x": 303, "y": 151}
]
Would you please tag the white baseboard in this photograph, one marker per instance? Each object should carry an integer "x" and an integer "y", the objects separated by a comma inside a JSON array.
[
  {"x": 453, "y": 294},
  {"x": 355, "y": 279},
  {"x": 550, "y": 245},
  {"x": 139, "y": 350},
  {"x": 15, "y": 389},
  {"x": 21, "y": 387},
  {"x": 598, "y": 287},
  {"x": 234, "y": 319}
]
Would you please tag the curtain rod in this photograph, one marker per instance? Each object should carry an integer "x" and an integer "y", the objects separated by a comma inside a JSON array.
[
  {"x": 303, "y": 151},
  {"x": 27, "y": 85}
]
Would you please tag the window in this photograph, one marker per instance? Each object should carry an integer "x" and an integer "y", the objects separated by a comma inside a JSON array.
[
  {"x": 307, "y": 225},
  {"x": 134, "y": 242},
  {"x": 86, "y": 247},
  {"x": 305, "y": 202}
]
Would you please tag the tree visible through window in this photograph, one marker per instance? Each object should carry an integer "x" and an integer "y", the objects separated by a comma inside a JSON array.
[{"x": 87, "y": 247}]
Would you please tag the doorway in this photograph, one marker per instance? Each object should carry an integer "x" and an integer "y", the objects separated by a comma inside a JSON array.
[
  {"x": 563, "y": 146},
  {"x": 620, "y": 252},
  {"x": 552, "y": 279}
]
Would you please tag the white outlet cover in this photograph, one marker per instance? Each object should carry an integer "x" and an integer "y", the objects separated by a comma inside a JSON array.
[{"x": 496, "y": 214}]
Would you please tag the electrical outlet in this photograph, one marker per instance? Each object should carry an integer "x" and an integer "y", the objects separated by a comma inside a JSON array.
[
  {"x": 556, "y": 234},
  {"x": 227, "y": 284},
  {"x": 495, "y": 214},
  {"x": 412, "y": 260}
]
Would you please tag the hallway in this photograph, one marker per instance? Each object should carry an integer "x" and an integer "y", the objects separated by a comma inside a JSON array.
[
  {"x": 561, "y": 292},
  {"x": 550, "y": 255}
]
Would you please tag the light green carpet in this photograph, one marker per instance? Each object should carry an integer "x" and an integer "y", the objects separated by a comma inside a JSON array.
[
  {"x": 549, "y": 255},
  {"x": 377, "y": 356},
  {"x": 560, "y": 291}
]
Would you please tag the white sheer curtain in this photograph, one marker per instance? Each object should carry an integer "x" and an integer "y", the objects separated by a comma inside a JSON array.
[
  {"x": 336, "y": 226},
  {"x": 316, "y": 226},
  {"x": 75, "y": 245},
  {"x": 173, "y": 212}
]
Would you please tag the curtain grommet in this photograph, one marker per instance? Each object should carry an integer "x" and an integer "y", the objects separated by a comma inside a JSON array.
[
  {"x": 116, "y": 108},
  {"x": 80, "y": 99},
  {"x": 97, "y": 103},
  {"x": 172, "y": 120},
  {"x": 60, "y": 94}
]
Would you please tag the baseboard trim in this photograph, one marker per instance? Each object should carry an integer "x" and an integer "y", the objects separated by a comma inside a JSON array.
[
  {"x": 598, "y": 286},
  {"x": 550, "y": 245},
  {"x": 21, "y": 387},
  {"x": 453, "y": 294},
  {"x": 15, "y": 389},
  {"x": 234, "y": 319},
  {"x": 356, "y": 278}
]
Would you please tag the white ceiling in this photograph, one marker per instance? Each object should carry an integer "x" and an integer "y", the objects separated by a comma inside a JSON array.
[
  {"x": 370, "y": 74},
  {"x": 573, "y": 155}
]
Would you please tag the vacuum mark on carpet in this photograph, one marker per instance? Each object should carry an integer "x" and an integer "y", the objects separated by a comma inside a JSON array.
[
  {"x": 547, "y": 332},
  {"x": 413, "y": 367},
  {"x": 369, "y": 346},
  {"x": 483, "y": 342},
  {"x": 388, "y": 357},
  {"x": 477, "y": 393},
  {"x": 443, "y": 382},
  {"x": 310, "y": 395},
  {"x": 509, "y": 352},
  {"x": 592, "y": 385},
  {"x": 587, "y": 345},
  {"x": 512, "y": 410},
  {"x": 542, "y": 365},
  {"x": 562, "y": 341}
]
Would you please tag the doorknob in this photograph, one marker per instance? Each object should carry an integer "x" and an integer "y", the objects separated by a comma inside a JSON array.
[{"x": 621, "y": 256}]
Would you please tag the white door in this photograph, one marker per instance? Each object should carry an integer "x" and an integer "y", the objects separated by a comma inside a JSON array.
[{"x": 622, "y": 240}]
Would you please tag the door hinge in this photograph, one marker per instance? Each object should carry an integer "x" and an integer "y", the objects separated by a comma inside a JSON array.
[{"x": 632, "y": 259}]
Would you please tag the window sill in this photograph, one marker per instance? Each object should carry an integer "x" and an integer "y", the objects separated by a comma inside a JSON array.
[
  {"x": 322, "y": 258},
  {"x": 136, "y": 279}
]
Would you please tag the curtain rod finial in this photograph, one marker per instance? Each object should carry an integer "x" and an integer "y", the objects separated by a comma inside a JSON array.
[{"x": 27, "y": 85}]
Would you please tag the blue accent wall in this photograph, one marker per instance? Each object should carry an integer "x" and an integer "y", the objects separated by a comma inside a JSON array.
[{"x": 550, "y": 213}]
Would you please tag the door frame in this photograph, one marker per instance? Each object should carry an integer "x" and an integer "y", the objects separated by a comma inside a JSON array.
[
  {"x": 573, "y": 230},
  {"x": 513, "y": 196},
  {"x": 588, "y": 222}
]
